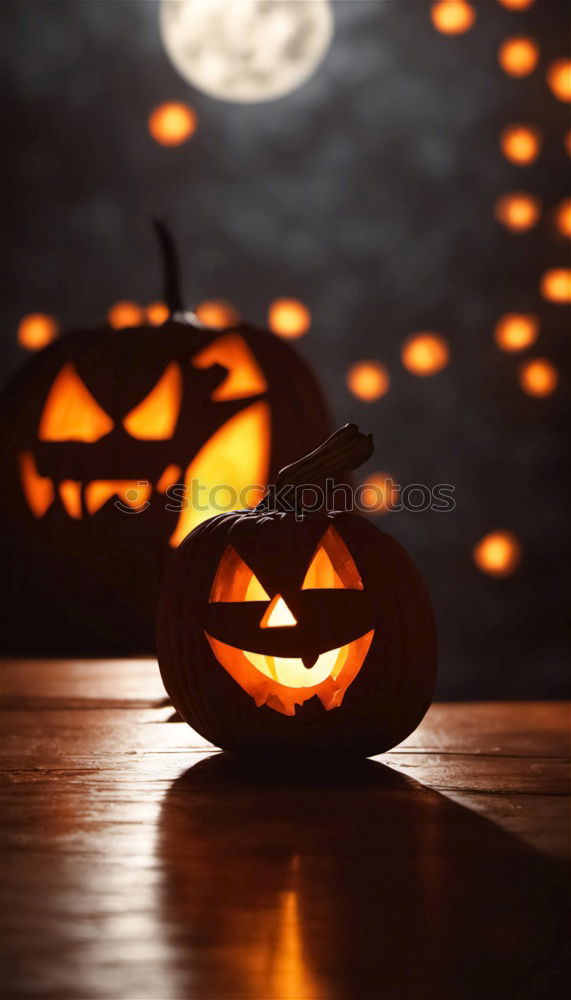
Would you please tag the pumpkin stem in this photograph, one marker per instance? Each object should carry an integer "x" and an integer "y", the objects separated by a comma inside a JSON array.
[
  {"x": 171, "y": 274},
  {"x": 344, "y": 450}
]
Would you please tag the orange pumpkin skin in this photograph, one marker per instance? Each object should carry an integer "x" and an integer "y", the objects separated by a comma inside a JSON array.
[
  {"x": 392, "y": 687},
  {"x": 89, "y": 581}
]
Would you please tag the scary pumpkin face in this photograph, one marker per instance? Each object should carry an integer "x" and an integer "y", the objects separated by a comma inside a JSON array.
[
  {"x": 100, "y": 425},
  {"x": 288, "y": 658},
  {"x": 286, "y": 635}
]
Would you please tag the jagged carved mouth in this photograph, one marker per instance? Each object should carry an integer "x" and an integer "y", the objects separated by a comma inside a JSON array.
[
  {"x": 80, "y": 498},
  {"x": 283, "y": 682}
]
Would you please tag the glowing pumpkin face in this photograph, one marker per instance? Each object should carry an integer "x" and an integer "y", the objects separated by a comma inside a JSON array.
[
  {"x": 101, "y": 424},
  {"x": 284, "y": 635},
  {"x": 288, "y": 661}
]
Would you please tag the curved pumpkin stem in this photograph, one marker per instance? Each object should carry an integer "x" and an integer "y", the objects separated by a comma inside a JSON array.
[
  {"x": 171, "y": 273},
  {"x": 344, "y": 450}
]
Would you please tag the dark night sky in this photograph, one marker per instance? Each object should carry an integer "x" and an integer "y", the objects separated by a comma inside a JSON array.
[{"x": 368, "y": 194}]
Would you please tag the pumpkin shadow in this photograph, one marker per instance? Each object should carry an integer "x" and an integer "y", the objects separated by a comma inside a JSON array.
[{"x": 350, "y": 881}]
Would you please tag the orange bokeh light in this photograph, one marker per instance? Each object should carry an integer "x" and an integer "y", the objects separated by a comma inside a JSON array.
[
  {"x": 217, "y": 313},
  {"x": 518, "y": 211},
  {"x": 556, "y": 285},
  {"x": 559, "y": 79},
  {"x": 36, "y": 330},
  {"x": 452, "y": 17},
  {"x": 289, "y": 318},
  {"x": 172, "y": 123},
  {"x": 538, "y": 377},
  {"x": 379, "y": 493},
  {"x": 516, "y": 331},
  {"x": 157, "y": 313},
  {"x": 124, "y": 314},
  {"x": 520, "y": 144},
  {"x": 498, "y": 553},
  {"x": 563, "y": 217},
  {"x": 517, "y": 4},
  {"x": 425, "y": 353},
  {"x": 518, "y": 56},
  {"x": 368, "y": 380}
]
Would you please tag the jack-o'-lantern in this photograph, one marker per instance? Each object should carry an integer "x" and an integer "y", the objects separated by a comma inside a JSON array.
[
  {"x": 285, "y": 630},
  {"x": 119, "y": 443}
]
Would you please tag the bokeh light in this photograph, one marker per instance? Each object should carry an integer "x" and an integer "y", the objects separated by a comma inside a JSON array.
[
  {"x": 517, "y": 4},
  {"x": 289, "y": 318},
  {"x": 563, "y": 217},
  {"x": 36, "y": 330},
  {"x": 556, "y": 285},
  {"x": 172, "y": 123},
  {"x": 157, "y": 313},
  {"x": 498, "y": 553},
  {"x": 425, "y": 353},
  {"x": 518, "y": 211},
  {"x": 538, "y": 377},
  {"x": 452, "y": 17},
  {"x": 124, "y": 314},
  {"x": 379, "y": 493},
  {"x": 520, "y": 144},
  {"x": 217, "y": 313},
  {"x": 518, "y": 56},
  {"x": 516, "y": 331},
  {"x": 368, "y": 380},
  {"x": 559, "y": 79}
]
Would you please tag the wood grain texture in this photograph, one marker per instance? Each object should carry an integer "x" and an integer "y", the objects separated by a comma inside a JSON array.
[{"x": 141, "y": 865}]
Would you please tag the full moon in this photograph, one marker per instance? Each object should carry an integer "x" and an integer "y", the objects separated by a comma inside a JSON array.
[{"x": 246, "y": 50}]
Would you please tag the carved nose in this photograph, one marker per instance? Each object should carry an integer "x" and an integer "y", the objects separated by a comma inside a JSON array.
[{"x": 277, "y": 614}]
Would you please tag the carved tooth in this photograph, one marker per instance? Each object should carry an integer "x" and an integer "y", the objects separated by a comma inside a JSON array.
[
  {"x": 39, "y": 490},
  {"x": 70, "y": 493},
  {"x": 170, "y": 475},
  {"x": 98, "y": 493}
]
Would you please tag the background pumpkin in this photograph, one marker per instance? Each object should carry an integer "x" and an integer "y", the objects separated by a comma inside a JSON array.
[
  {"x": 103, "y": 415},
  {"x": 372, "y": 616}
]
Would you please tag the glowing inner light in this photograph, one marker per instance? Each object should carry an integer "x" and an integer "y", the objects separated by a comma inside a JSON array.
[
  {"x": 452, "y": 17},
  {"x": 516, "y": 331},
  {"x": 498, "y": 553},
  {"x": 556, "y": 285},
  {"x": 368, "y": 380},
  {"x": 517, "y": 4},
  {"x": 520, "y": 144},
  {"x": 217, "y": 313},
  {"x": 277, "y": 615},
  {"x": 518, "y": 56},
  {"x": 172, "y": 123},
  {"x": 246, "y": 50},
  {"x": 289, "y": 318},
  {"x": 36, "y": 330},
  {"x": 518, "y": 211},
  {"x": 559, "y": 79},
  {"x": 124, "y": 314},
  {"x": 70, "y": 412},
  {"x": 154, "y": 419},
  {"x": 538, "y": 377},
  {"x": 425, "y": 354}
]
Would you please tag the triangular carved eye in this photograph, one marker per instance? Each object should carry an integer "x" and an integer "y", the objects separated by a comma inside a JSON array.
[
  {"x": 70, "y": 412},
  {"x": 245, "y": 377},
  {"x": 235, "y": 581},
  {"x": 332, "y": 566},
  {"x": 155, "y": 418}
]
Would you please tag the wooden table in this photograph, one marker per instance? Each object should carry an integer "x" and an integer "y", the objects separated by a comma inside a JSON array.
[{"x": 141, "y": 865}]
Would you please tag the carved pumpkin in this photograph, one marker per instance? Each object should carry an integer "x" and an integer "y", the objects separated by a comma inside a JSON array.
[
  {"x": 290, "y": 632},
  {"x": 100, "y": 425}
]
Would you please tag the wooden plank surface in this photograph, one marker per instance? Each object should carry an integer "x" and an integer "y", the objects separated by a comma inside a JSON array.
[{"x": 139, "y": 864}]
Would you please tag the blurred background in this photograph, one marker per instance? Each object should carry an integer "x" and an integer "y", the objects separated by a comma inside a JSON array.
[{"x": 400, "y": 211}]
